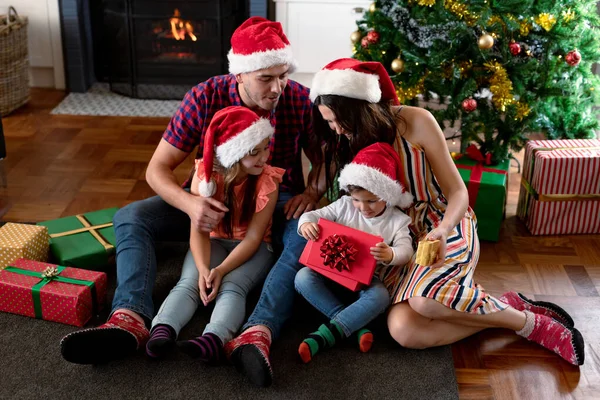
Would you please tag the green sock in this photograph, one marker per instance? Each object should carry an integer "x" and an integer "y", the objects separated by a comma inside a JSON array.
[{"x": 326, "y": 336}]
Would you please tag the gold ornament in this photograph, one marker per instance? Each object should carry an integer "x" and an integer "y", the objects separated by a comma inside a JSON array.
[
  {"x": 485, "y": 42},
  {"x": 373, "y": 7},
  {"x": 500, "y": 86},
  {"x": 546, "y": 21},
  {"x": 568, "y": 15},
  {"x": 397, "y": 65},
  {"x": 356, "y": 36}
]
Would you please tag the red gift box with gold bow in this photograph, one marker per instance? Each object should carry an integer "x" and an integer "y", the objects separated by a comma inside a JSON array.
[{"x": 342, "y": 254}]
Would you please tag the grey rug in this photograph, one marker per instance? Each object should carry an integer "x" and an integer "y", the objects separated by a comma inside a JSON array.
[
  {"x": 99, "y": 100},
  {"x": 31, "y": 366}
]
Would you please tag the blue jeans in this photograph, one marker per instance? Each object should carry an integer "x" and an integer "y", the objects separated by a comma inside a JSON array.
[
  {"x": 372, "y": 300},
  {"x": 230, "y": 305},
  {"x": 138, "y": 226},
  {"x": 276, "y": 300}
]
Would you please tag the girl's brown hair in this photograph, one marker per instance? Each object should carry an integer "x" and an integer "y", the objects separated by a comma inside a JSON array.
[
  {"x": 248, "y": 200},
  {"x": 368, "y": 123}
]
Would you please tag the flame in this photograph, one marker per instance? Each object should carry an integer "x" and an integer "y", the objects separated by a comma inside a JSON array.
[{"x": 181, "y": 28}]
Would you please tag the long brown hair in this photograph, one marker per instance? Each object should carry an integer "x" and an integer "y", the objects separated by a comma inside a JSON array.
[
  {"x": 368, "y": 123},
  {"x": 248, "y": 200}
]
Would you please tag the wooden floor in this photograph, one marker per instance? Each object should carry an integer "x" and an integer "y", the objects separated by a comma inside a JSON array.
[{"x": 63, "y": 165}]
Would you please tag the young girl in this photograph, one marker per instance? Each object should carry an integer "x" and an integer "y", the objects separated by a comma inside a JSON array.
[
  {"x": 237, "y": 255},
  {"x": 374, "y": 193},
  {"x": 356, "y": 105}
]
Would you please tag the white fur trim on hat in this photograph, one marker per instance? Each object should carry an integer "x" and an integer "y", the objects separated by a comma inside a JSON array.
[
  {"x": 207, "y": 189},
  {"x": 244, "y": 142},
  {"x": 240, "y": 63},
  {"x": 376, "y": 182},
  {"x": 348, "y": 83}
]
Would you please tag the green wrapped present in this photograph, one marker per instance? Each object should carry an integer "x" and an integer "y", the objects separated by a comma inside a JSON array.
[
  {"x": 487, "y": 186},
  {"x": 84, "y": 241}
]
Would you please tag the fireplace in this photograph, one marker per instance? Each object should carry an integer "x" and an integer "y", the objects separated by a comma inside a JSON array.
[
  {"x": 154, "y": 49},
  {"x": 159, "y": 49}
]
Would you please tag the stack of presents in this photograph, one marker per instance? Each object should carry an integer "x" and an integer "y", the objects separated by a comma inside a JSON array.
[{"x": 53, "y": 270}]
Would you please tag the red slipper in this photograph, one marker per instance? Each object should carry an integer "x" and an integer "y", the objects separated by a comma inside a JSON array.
[
  {"x": 249, "y": 352},
  {"x": 120, "y": 336},
  {"x": 551, "y": 334},
  {"x": 522, "y": 303}
]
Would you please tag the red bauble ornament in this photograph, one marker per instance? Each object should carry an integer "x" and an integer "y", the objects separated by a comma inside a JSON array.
[
  {"x": 373, "y": 37},
  {"x": 573, "y": 58},
  {"x": 365, "y": 42},
  {"x": 515, "y": 48},
  {"x": 469, "y": 105}
]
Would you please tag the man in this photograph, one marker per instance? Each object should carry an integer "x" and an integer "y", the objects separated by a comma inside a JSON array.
[{"x": 259, "y": 63}]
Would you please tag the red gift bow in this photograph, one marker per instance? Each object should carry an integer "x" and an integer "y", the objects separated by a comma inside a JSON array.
[
  {"x": 338, "y": 253},
  {"x": 477, "y": 171}
]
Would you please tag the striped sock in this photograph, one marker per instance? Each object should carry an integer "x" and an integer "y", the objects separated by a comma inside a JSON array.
[
  {"x": 207, "y": 347},
  {"x": 162, "y": 338},
  {"x": 326, "y": 336},
  {"x": 365, "y": 340}
]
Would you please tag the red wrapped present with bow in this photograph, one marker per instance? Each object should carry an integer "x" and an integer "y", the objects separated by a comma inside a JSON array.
[
  {"x": 51, "y": 292},
  {"x": 560, "y": 187},
  {"x": 487, "y": 185},
  {"x": 342, "y": 254}
]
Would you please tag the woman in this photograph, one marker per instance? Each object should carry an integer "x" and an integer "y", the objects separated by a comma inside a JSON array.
[{"x": 355, "y": 105}]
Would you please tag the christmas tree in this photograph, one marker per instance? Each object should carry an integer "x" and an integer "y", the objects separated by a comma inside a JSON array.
[{"x": 503, "y": 68}]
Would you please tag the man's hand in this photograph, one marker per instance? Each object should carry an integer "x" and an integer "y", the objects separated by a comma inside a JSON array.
[
  {"x": 300, "y": 204},
  {"x": 310, "y": 231},
  {"x": 206, "y": 213},
  {"x": 382, "y": 252}
]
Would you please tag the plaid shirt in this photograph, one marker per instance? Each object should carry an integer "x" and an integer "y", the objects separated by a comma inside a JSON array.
[{"x": 291, "y": 119}]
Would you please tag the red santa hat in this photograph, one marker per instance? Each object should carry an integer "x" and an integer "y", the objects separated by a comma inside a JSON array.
[
  {"x": 232, "y": 134},
  {"x": 258, "y": 44},
  {"x": 377, "y": 168},
  {"x": 355, "y": 79}
]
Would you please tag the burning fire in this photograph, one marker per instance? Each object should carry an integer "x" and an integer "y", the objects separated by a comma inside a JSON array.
[{"x": 180, "y": 28}]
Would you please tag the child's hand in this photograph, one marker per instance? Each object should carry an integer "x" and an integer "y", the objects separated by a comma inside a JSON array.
[
  {"x": 214, "y": 282},
  {"x": 382, "y": 252},
  {"x": 203, "y": 284},
  {"x": 310, "y": 231}
]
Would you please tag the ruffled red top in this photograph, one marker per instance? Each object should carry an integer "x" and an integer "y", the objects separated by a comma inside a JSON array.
[{"x": 266, "y": 184}]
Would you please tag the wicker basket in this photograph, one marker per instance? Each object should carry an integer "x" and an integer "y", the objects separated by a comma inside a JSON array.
[{"x": 14, "y": 63}]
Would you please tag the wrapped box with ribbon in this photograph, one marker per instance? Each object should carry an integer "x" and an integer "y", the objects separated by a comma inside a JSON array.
[
  {"x": 83, "y": 241},
  {"x": 22, "y": 241},
  {"x": 487, "y": 185},
  {"x": 51, "y": 292},
  {"x": 342, "y": 254},
  {"x": 560, "y": 187}
]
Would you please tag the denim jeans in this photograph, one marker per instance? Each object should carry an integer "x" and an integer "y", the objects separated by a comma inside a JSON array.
[
  {"x": 138, "y": 226},
  {"x": 230, "y": 305},
  {"x": 372, "y": 300},
  {"x": 276, "y": 300}
]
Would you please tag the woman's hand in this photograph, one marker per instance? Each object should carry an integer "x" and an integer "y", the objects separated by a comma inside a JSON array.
[
  {"x": 203, "y": 284},
  {"x": 382, "y": 252},
  {"x": 440, "y": 234},
  {"x": 214, "y": 283},
  {"x": 310, "y": 231}
]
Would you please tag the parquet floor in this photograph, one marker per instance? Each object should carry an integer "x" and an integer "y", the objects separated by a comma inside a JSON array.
[{"x": 63, "y": 165}]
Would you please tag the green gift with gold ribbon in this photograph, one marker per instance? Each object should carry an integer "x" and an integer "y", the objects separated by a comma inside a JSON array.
[
  {"x": 51, "y": 292},
  {"x": 84, "y": 240}
]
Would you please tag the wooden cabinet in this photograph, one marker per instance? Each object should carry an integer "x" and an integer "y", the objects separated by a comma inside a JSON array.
[{"x": 319, "y": 31}]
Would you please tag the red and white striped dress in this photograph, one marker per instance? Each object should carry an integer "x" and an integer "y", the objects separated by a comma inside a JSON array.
[{"x": 452, "y": 285}]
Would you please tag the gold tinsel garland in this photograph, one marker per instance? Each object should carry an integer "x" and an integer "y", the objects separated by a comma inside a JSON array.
[
  {"x": 524, "y": 28},
  {"x": 411, "y": 92},
  {"x": 465, "y": 67},
  {"x": 521, "y": 110},
  {"x": 546, "y": 21},
  {"x": 424, "y": 3},
  {"x": 461, "y": 11},
  {"x": 568, "y": 15},
  {"x": 500, "y": 86}
]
